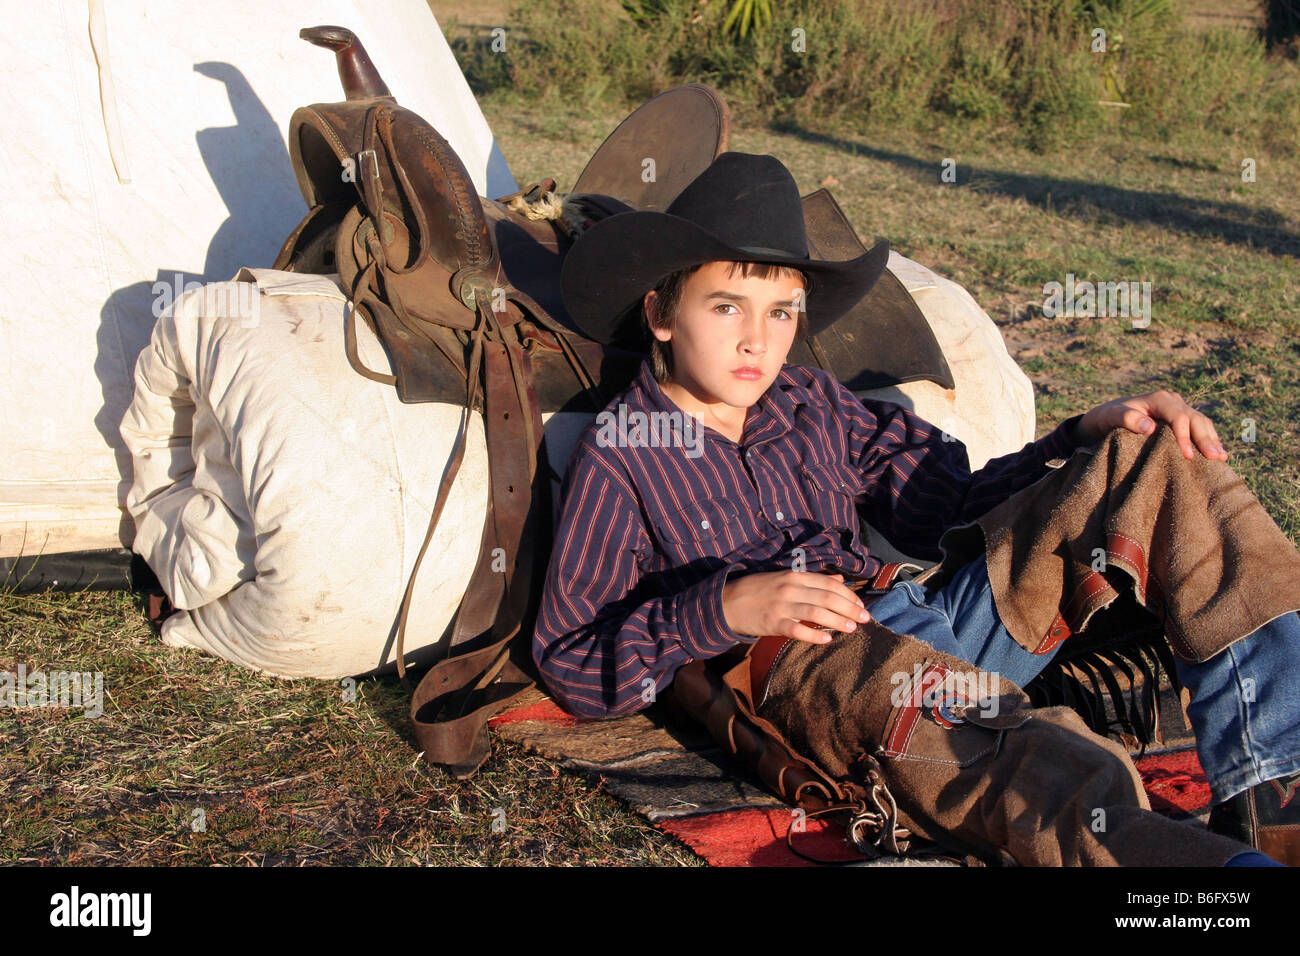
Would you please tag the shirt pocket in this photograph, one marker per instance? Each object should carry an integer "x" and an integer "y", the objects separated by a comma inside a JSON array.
[
  {"x": 831, "y": 492},
  {"x": 710, "y": 527}
]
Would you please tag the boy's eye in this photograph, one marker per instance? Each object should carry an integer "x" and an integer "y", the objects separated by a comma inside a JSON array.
[{"x": 779, "y": 313}]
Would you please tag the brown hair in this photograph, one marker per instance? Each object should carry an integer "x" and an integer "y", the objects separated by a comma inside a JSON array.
[{"x": 668, "y": 296}]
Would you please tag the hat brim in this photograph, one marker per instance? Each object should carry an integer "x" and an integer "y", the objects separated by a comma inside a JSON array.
[{"x": 615, "y": 262}]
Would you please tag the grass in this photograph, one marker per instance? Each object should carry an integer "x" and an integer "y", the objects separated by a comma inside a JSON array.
[
  {"x": 290, "y": 773},
  {"x": 196, "y": 761}
]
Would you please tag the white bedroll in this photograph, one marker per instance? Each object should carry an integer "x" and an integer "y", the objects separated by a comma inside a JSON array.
[
  {"x": 991, "y": 407},
  {"x": 282, "y": 498}
]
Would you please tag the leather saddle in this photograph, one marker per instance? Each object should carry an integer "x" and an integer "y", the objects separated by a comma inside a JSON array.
[{"x": 463, "y": 292}]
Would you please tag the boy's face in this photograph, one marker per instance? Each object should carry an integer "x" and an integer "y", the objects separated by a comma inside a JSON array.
[{"x": 725, "y": 323}]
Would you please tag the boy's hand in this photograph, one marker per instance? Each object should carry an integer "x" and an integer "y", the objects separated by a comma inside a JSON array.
[
  {"x": 1140, "y": 413},
  {"x": 789, "y": 603}
]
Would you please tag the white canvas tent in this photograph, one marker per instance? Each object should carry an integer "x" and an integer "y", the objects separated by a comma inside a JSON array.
[{"x": 145, "y": 149}]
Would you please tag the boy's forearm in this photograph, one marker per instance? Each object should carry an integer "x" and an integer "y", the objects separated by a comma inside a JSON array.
[{"x": 616, "y": 666}]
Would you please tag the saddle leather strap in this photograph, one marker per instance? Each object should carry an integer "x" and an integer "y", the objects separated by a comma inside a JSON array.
[
  {"x": 451, "y": 706},
  {"x": 507, "y": 437},
  {"x": 363, "y": 300},
  {"x": 472, "y": 382},
  {"x": 454, "y": 701}
]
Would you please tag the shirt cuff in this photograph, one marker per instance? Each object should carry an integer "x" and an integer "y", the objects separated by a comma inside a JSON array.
[
  {"x": 1061, "y": 441},
  {"x": 702, "y": 624}
]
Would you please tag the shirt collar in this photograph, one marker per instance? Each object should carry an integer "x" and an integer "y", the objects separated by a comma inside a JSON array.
[{"x": 771, "y": 416}]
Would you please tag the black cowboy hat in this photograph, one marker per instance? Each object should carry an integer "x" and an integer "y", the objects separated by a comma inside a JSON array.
[{"x": 742, "y": 208}]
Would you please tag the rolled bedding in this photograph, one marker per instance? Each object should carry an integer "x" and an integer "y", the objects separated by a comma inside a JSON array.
[{"x": 280, "y": 497}]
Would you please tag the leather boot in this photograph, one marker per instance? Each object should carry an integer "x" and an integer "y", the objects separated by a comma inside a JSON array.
[{"x": 1267, "y": 816}]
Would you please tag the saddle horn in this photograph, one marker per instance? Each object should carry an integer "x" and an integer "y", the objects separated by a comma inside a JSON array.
[{"x": 357, "y": 72}]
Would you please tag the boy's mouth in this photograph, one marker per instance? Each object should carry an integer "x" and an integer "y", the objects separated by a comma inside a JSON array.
[{"x": 748, "y": 372}]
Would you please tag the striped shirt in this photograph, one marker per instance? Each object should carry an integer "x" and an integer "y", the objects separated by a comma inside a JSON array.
[{"x": 658, "y": 510}]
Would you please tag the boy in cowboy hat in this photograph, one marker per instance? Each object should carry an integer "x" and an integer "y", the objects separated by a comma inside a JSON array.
[{"x": 663, "y": 557}]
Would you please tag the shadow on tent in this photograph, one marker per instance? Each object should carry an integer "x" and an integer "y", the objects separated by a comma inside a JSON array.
[{"x": 250, "y": 167}]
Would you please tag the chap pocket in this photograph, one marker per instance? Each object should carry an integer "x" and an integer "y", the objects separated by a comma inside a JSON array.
[{"x": 943, "y": 716}]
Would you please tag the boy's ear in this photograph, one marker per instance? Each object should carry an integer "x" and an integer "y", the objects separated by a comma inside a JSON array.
[{"x": 651, "y": 305}]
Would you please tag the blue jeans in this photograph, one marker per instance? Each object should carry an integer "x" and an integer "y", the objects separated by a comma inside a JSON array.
[{"x": 1245, "y": 701}]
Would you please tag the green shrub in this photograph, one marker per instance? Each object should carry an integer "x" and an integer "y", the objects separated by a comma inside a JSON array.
[
  {"x": 1024, "y": 67},
  {"x": 1219, "y": 83}
]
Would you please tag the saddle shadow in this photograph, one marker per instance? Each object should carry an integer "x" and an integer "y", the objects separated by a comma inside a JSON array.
[
  {"x": 249, "y": 166},
  {"x": 1230, "y": 222}
]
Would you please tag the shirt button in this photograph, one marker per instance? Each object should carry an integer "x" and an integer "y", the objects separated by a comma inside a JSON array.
[
  {"x": 704, "y": 524},
  {"x": 779, "y": 516}
]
